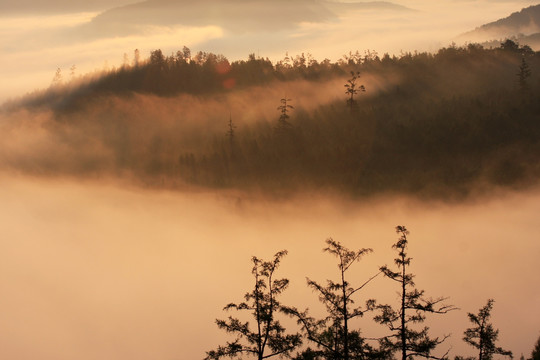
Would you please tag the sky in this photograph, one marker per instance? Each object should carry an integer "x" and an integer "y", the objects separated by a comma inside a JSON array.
[{"x": 37, "y": 38}]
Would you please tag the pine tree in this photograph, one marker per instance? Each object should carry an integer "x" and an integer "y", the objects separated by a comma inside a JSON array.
[
  {"x": 523, "y": 74},
  {"x": 284, "y": 108},
  {"x": 535, "y": 355},
  {"x": 412, "y": 310},
  {"x": 333, "y": 335},
  {"x": 231, "y": 134},
  {"x": 483, "y": 336},
  {"x": 352, "y": 89},
  {"x": 268, "y": 339}
]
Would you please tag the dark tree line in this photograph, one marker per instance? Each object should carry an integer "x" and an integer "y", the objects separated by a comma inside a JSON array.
[{"x": 335, "y": 337}]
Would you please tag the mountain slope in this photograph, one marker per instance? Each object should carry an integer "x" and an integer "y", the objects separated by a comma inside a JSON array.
[
  {"x": 518, "y": 25},
  {"x": 236, "y": 15}
]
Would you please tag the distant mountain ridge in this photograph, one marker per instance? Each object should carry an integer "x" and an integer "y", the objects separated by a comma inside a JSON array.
[
  {"x": 523, "y": 26},
  {"x": 32, "y": 7},
  {"x": 234, "y": 15}
]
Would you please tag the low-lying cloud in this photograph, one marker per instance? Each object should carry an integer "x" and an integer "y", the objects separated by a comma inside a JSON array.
[{"x": 91, "y": 270}]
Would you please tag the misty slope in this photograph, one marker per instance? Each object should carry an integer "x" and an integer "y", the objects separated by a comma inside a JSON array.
[
  {"x": 453, "y": 123},
  {"x": 237, "y": 15},
  {"x": 522, "y": 26}
]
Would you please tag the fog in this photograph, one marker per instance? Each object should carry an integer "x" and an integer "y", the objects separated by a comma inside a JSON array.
[
  {"x": 101, "y": 270},
  {"x": 34, "y": 43}
]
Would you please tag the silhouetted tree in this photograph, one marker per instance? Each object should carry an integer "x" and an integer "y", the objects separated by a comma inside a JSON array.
[
  {"x": 509, "y": 45},
  {"x": 535, "y": 355},
  {"x": 333, "y": 335},
  {"x": 286, "y": 62},
  {"x": 284, "y": 108},
  {"x": 523, "y": 74},
  {"x": 157, "y": 59},
  {"x": 136, "y": 57},
  {"x": 125, "y": 61},
  {"x": 268, "y": 339},
  {"x": 352, "y": 89},
  {"x": 412, "y": 310},
  {"x": 230, "y": 134},
  {"x": 72, "y": 70},
  {"x": 187, "y": 53},
  {"x": 483, "y": 336},
  {"x": 57, "y": 79}
]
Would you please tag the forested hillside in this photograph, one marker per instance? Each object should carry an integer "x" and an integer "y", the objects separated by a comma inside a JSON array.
[{"x": 452, "y": 123}]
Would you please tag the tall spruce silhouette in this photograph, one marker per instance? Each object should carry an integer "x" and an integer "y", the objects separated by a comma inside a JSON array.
[
  {"x": 483, "y": 335},
  {"x": 333, "y": 335},
  {"x": 268, "y": 338},
  {"x": 412, "y": 310}
]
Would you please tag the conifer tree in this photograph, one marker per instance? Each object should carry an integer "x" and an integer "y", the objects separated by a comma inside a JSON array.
[
  {"x": 333, "y": 335},
  {"x": 352, "y": 89},
  {"x": 523, "y": 74},
  {"x": 268, "y": 338},
  {"x": 535, "y": 355},
  {"x": 57, "y": 79},
  {"x": 284, "y": 108},
  {"x": 412, "y": 310},
  {"x": 231, "y": 134},
  {"x": 483, "y": 336}
]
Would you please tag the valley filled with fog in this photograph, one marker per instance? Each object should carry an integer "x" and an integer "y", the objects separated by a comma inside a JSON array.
[{"x": 94, "y": 270}]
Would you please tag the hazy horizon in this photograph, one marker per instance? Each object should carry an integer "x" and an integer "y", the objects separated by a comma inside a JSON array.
[{"x": 34, "y": 41}]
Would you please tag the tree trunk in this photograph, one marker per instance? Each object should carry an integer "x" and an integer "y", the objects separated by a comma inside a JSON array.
[
  {"x": 403, "y": 294},
  {"x": 345, "y": 320}
]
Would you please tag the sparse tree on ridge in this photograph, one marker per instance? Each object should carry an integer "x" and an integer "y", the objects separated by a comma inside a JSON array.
[
  {"x": 412, "y": 310},
  {"x": 284, "y": 108},
  {"x": 125, "y": 61},
  {"x": 57, "y": 79},
  {"x": 72, "y": 70},
  {"x": 268, "y": 339},
  {"x": 136, "y": 57},
  {"x": 352, "y": 89},
  {"x": 187, "y": 53},
  {"x": 483, "y": 336},
  {"x": 230, "y": 134},
  {"x": 523, "y": 74}
]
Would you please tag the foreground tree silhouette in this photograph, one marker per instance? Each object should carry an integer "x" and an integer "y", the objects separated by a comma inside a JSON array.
[
  {"x": 535, "y": 355},
  {"x": 483, "y": 336},
  {"x": 412, "y": 310},
  {"x": 268, "y": 339},
  {"x": 332, "y": 335}
]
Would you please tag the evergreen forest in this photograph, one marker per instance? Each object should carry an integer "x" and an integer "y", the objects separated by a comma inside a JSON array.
[{"x": 451, "y": 124}]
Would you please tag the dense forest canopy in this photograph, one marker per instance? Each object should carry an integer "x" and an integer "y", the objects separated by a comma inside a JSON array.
[{"x": 444, "y": 124}]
